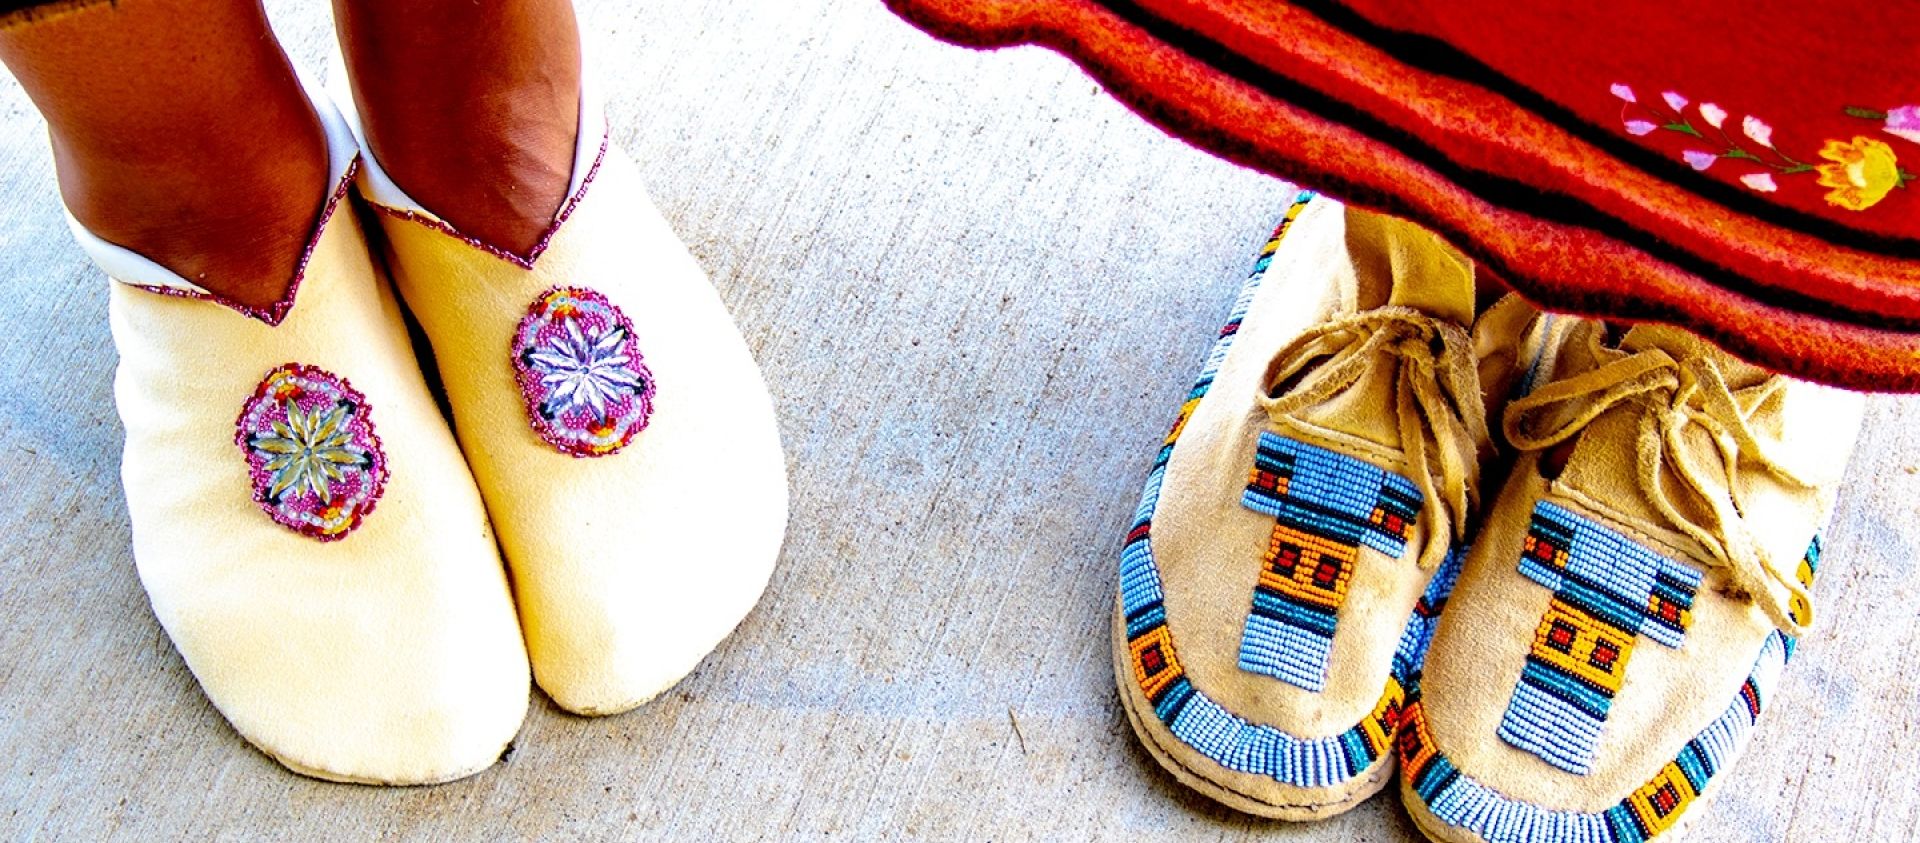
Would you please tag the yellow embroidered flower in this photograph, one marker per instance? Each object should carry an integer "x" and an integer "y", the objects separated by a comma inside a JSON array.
[{"x": 1861, "y": 173}]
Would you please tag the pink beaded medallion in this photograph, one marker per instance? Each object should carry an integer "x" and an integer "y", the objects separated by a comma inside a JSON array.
[
  {"x": 586, "y": 387},
  {"x": 315, "y": 461}
]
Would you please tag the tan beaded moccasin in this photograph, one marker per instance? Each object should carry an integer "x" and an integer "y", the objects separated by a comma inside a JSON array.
[
  {"x": 1279, "y": 581},
  {"x": 1632, "y": 597}
]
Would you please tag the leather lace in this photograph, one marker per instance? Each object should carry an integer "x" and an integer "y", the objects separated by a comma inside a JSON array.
[
  {"x": 1674, "y": 396},
  {"x": 1442, "y": 420}
]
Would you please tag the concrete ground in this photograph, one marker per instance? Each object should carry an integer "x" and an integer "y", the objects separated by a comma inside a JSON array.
[{"x": 979, "y": 288}]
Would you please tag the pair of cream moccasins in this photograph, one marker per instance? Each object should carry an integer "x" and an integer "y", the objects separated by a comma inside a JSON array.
[
  {"x": 1312, "y": 594},
  {"x": 327, "y": 554}
]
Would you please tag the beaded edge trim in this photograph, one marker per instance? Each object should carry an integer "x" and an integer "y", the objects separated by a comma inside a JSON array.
[
  {"x": 240, "y": 435},
  {"x": 546, "y": 238},
  {"x": 1654, "y": 808},
  {"x": 1190, "y": 715},
  {"x": 275, "y": 313}
]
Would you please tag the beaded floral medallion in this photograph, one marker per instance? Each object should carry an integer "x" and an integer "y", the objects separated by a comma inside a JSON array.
[
  {"x": 586, "y": 387},
  {"x": 313, "y": 456}
]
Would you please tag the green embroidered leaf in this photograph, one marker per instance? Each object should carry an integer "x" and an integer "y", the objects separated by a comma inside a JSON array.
[
  {"x": 1864, "y": 113},
  {"x": 1684, "y": 128}
]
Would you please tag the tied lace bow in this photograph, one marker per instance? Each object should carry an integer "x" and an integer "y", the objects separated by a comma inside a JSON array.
[
  {"x": 1675, "y": 397},
  {"x": 1442, "y": 420}
]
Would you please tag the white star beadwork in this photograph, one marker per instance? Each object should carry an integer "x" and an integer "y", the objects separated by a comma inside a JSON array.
[
  {"x": 307, "y": 451},
  {"x": 585, "y": 370}
]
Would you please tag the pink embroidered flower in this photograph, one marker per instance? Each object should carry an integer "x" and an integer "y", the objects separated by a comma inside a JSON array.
[
  {"x": 312, "y": 454},
  {"x": 1904, "y": 122},
  {"x": 587, "y": 389},
  {"x": 1861, "y": 172},
  {"x": 1715, "y": 115}
]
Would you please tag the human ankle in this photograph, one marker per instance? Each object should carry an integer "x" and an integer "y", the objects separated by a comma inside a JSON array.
[
  {"x": 490, "y": 148},
  {"x": 497, "y": 175},
  {"x": 231, "y": 215},
  {"x": 181, "y": 132}
]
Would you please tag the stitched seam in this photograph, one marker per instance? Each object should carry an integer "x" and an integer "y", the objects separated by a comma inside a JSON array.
[
  {"x": 1623, "y": 523},
  {"x": 1335, "y": 440}
]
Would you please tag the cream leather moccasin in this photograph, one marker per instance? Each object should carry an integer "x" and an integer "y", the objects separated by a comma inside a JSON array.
[
  {"x": 622, "y": 437},
  {"x": 303, "y": 521}
]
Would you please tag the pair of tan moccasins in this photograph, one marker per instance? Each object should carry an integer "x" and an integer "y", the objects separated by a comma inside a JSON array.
[{"x": 1328, "y": 581}]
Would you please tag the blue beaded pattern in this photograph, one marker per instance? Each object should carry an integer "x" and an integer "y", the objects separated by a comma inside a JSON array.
[
  {"x": 1608, "y": 592},
  {"x": 1326, "y": 506}
]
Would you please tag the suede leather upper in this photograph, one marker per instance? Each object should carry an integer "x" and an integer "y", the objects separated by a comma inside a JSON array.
[
  {"x": 1669, "y": 695},
  {"x": 1207, "y": 546}
]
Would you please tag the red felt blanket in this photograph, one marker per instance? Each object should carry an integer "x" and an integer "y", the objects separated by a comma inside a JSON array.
[{"x": 1746, "y": 169}]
